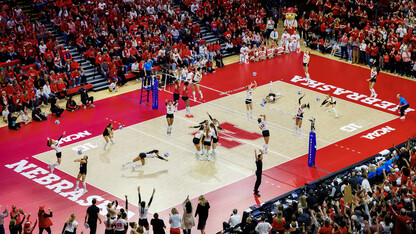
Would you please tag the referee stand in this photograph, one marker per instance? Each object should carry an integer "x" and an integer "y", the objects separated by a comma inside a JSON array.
[{"x": 154, "y": 89}]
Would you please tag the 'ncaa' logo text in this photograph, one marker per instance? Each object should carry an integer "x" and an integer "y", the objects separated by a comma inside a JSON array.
[{"x": 378, "y": 133}]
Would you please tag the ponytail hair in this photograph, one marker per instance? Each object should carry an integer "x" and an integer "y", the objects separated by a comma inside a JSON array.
[
  {"x": 188, "y": 207},
  {"x": 49, "y": 143},
  {"x": 215, "y": 129},
  {"x": 308, "y": 106},
  {"x": 108, "y": 220}
]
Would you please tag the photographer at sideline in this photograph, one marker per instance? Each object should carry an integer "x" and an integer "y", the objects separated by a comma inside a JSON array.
[{"x": 85, "y": 98}]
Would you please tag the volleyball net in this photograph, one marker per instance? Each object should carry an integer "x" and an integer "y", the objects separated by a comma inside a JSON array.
[{"x": 229, "y": 105}]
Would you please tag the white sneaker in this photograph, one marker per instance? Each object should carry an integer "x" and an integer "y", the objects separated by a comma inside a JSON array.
[
  {"x": 336, "y": 116},
  {"x": 375, "y": 95},
  {"x": 85, "y": 191},
  {"x": 49, "y": 166},
  {"x": 76, "y": 189},
  {"x": 137, "y": 80},
  {"x": 134, "y": 168},
  {"x": 52, "y": 168},
  {"x": 92, "y": 105},
  {"x": 402, "y": 117}
]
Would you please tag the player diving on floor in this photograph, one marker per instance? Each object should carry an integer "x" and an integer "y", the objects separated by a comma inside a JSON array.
[
  {"x": 142, "y": 158},
  {"x": 271, "y": 97}
]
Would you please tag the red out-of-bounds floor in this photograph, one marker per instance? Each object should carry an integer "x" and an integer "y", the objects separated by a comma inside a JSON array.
[{"x": 26, "y": 182}]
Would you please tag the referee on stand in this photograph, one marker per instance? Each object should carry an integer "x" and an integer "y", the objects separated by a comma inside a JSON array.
[
  {"x": 259, "y": 171},
  {"x": 403, "y": 105}
]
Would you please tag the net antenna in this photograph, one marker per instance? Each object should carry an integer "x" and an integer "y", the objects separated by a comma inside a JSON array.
[{"x": 312, "y": 124}]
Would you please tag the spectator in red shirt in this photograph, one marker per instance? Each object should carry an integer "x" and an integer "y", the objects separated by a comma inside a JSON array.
[
  {"x": 327, "y": 228},
  {"x": 76, "y": 78}
]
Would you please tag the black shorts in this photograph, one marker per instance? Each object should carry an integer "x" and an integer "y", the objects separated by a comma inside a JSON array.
[
  {"x": 214, "y": 140},
  {"x": 106, "y": 134},
  {"x": 207, "y": 143},
  {"x": 142, "y": 155},
  {"x": 196, "y": 141},
  {"x": 265, "y": 133},
  {"x": 272, "y": 95},
  {"x": 143, "y": 222},
  {"x": 373, "y": 80},
  {"x": 248, "y": 101},
  {"x": 195, "y": 82},
  {"x": 169, "y": 116},
  {"x": 299, "y": 116},
  {"x": 184, "y": 98},
  {"x": 175, "y": 97},
  {"x": 59, "y": 155},
  {"x": 83, "y": 172},
  {"x": 333, "y": 103},
  {"x": 305, "y": 64}
]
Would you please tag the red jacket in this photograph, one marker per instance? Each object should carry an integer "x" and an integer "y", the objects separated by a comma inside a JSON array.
[{"x": 44, "y": 219}]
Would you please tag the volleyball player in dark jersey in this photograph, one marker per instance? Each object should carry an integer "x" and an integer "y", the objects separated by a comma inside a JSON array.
[
  {"x": 82, "y": 172},
  {"x": 143, "y": 156},
  {"x": 176, "y": 92},
  {"x": 108, "y": 135}
]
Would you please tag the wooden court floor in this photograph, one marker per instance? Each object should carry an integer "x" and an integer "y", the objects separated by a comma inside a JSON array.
[{"x": 184, "y": 175}]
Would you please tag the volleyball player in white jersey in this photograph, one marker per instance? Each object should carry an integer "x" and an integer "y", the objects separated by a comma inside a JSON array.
[
  {"x": 144, "y": 210},
  {"x": 271, "y": 97},
  {"x": 285, "y": 41},
  {"x": 195, "y": 83},
  {"x": 208, "y": 134},
  {"x": 264, "y": 131},
  {"x": 142, "y": 158},
  {"x": 244, "y": 54},
  {"x": 215, "y": 138},
  {"x": 55, "y": 144},
  {"x": 170, "y": 110},
  {"x": 214, "y": 131},
  {"x": 372, "y": 81},
  {"x": 330, "y": 102},
  {"x": 306, "y": 58},
  {"x": 197, "y": 140},
  {"x": 82, "y": 174},
  {"x": 120, "y": 224},
  {"x": 249, "y": 99},
  {"x": 299, "y": 116},
  {"x": 294, "y": 44}
]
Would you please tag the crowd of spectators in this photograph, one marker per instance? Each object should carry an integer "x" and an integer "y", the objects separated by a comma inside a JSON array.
[
  {"x": 363, "y": 32},
  {"x": 115, "y": 35},
  {"x": 381, "y": 193},
  {"x": 116, "y": 221},
  {"x": 375, "y": 197},
  {"x": 36, "y": 69}
]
